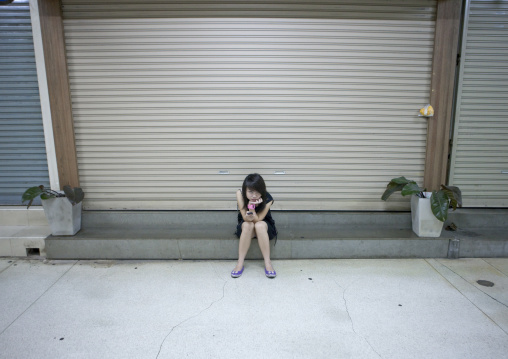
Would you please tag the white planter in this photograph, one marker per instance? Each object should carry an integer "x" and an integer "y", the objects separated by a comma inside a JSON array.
[
  {"x": 425, "y": 224},
  {"x": 64, "y": 219}
]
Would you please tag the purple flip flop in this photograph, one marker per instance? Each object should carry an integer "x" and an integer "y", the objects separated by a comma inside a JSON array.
[
  {"x": 236, "y": 274},
  {"x": 270, "y": 274}
]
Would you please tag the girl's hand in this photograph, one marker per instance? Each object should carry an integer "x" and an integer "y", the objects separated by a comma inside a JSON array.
[
  {"x": 250, "y": 214},
  {"x": 256, "y": 202}
]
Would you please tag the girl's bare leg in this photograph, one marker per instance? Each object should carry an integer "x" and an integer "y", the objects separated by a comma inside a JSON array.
[
  {"x": 264, "y": 243},
  {"x": 244, "y": 245}
]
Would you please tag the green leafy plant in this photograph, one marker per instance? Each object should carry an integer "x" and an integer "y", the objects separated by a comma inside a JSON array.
[
  {"x": 74, "y": 195},
  {"x": 440, "y": 201}
]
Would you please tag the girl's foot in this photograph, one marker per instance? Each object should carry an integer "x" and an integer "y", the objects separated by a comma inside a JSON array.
[
  {"x": 236, "y": 274},
  {"x": 270, "y": 273},
  {"x": 238, "y": 267}
]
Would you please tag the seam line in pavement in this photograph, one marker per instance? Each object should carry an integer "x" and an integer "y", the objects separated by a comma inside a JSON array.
[
  {"x": 496, "y": 268},
  {"x": 457, "y": 289},
  {"x": 10, "y": 265},
  {"x": 487, "y": 294},
  {"x": 35, "y": 301}
]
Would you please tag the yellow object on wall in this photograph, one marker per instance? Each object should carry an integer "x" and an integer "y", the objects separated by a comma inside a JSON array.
[{"x": 427, "y": 111}]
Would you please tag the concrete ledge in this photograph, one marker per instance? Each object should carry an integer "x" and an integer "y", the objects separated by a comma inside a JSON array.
[
  {"x": 15, "y": 240},
  {"x": 285, "y": 220},
  {"x": 370, "y": 248},
  {"x": 481, "y": 242},
  {"x": 207, "y": 244},
  {"x": 21, "y": 216},
  {"x": 302, "y": 235}
]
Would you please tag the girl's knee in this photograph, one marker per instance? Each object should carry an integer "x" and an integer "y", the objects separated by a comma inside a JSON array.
[
  {"x": 261, "y": 226},
  {"x": 247, "y": 226}
]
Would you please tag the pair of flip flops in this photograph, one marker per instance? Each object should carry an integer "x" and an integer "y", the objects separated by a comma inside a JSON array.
[{"x": 269, "y": 274}]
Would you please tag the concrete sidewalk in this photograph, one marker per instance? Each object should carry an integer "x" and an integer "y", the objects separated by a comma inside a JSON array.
[{"x": 358, "y": 308}]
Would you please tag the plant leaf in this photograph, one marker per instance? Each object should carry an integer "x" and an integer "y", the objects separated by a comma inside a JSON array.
[
  {"x": 439, "y": 204},
  {"x": 400, "y": 184},
  {"x": 74, "y": 195},
  {"x": 401, "y": 180},
  {"x": 29, "y": 203},
  {"x": 69, "y": 193},
  {"x": 390, "y": 189},
  {"x": 30, "y": 194},
  {"x": 454, "y": 194},
  {"x": 78, "y": 194},
  {"x": 411, "y": 188}
]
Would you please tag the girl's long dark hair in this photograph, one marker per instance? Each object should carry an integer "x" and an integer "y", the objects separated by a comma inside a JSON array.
[{"x": 254, "y": 181}]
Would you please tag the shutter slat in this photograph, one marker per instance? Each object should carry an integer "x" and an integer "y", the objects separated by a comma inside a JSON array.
[
  {"x": 480, "y": 152},
  {"x": 328, "y": 92},
  {"x": 23, "y": 161}
]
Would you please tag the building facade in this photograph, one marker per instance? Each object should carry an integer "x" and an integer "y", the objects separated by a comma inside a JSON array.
[{"x": 167, "y": 106}]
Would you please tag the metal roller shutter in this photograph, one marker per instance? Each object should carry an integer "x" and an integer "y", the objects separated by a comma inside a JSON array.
[
  {"x": 480, "y": 143},
  {"x": 175, "y": 103},
  {"x": 23, "y": 161}
]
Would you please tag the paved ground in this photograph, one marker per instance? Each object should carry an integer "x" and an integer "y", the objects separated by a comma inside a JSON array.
[{"x": 414, "y": 308}]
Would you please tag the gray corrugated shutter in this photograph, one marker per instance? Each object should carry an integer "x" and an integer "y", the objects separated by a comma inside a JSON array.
[
  {"x": 480, "y": 145},
  {"x": 23, "y": 161},
  {"x": 168, "y": 95}
]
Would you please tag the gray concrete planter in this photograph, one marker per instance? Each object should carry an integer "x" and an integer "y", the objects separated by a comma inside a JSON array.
[
  {"x": 64, "y": 219},
  {"x": 425, "y": 224}
]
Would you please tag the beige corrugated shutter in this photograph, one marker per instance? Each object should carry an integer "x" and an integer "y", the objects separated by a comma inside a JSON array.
[
  {"x": 480, "y": 143},
  {"x": 176, "y": 102}
]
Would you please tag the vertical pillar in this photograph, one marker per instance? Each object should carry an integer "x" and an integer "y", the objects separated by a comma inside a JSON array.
[
  {"x": 441, "y": 96},
  {"x": 44, "y": 96},
  {"x": 59, "y": 91}
]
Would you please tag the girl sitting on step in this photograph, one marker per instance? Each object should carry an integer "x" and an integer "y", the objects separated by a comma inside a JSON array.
[{"x": 254, "y": 221}]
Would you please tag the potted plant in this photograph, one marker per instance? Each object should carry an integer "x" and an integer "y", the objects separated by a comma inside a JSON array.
[
  {"x": 429, "y": 210},
  {"x": 63, "y": 210}
]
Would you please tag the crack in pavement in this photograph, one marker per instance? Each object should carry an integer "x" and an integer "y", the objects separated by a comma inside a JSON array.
[
  {"x": 351, "y": 319},
  {"x": 219, "y": 275},
  {"x": 458, "y": 290},
  {"x": 35, "y": 301},
  {"x": 191, "y": 317},
  {"x": 345, "y": 304}
]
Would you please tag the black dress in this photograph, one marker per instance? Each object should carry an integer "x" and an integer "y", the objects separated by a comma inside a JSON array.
[{"x": 272, "y": 231}]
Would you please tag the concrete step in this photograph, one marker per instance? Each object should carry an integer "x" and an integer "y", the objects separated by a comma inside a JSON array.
[
  {"x": 302, "y": 235},
  {"x": 205, "y": 244},
  {"x": 22, "y": 231},
  {"x": 23, "y": 241},
  {"x": 21, "y": 216},
  {"x": 284, "y": 219}
]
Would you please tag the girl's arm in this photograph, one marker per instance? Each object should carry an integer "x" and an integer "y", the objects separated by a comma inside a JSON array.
[
  {"x": 255, "y": 217},
  {"x": 243, "y": 211},
  {"x": 261, "y": 215}
]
